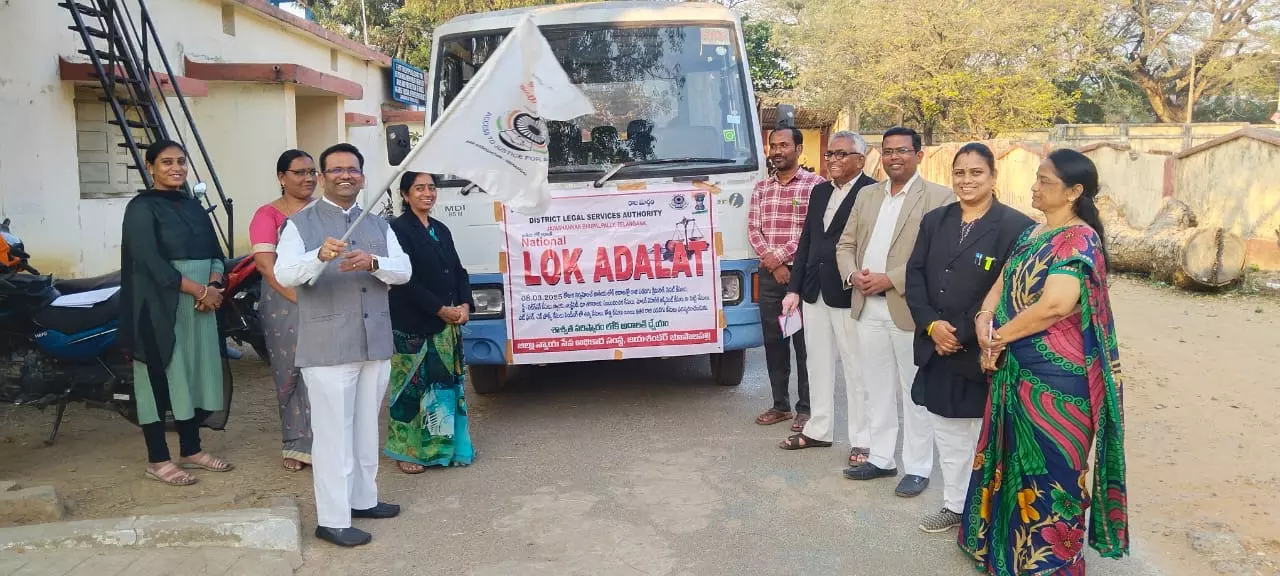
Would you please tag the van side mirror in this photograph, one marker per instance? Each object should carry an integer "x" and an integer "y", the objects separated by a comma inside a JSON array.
[
  {"x": 786, "y": 116},
  {"x": 397, "y": 143}
]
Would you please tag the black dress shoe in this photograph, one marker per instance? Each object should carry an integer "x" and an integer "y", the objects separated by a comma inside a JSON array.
[
  {"x": 345, "y": 537},
  {"x": 868, "y": 471},
  {"x": 911, "y": 486},
  {"x": 381, "y": 511}
]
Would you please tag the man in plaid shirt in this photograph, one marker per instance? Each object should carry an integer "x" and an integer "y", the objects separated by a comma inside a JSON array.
[{"x": 774, "y": 223}]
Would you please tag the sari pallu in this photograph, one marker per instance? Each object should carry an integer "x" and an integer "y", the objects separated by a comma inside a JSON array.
[{"x": 1056, "y": 394}]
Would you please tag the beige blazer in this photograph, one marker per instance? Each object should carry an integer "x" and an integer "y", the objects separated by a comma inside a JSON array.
[{"x": 922, "y": 197}]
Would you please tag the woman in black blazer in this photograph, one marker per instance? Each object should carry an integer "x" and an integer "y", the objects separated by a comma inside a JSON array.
[
  {"x": 428, "y": 419},
  {"x": 958, "y": 255}
]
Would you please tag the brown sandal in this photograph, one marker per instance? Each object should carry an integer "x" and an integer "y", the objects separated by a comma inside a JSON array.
[
  {"x": 800, "y": 442},
  {"x": 772, "y": 416},
  {"x": 411, "y": 467},
  {"x": 205, "y": 461},
  {"x": 801, "y": 420},
  {"x": 859, "y": 456},
  {"x": 170, "y": 474}
]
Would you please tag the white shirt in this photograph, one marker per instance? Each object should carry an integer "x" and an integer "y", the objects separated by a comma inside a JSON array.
[
  {"x": 295, "y": 266},
  {"x": 837, "y": 198},
  {"x": 876, "y": 258}
]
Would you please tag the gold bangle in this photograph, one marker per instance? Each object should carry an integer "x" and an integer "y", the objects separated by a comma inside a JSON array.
[
  {"x": 981, "y": 312},
  {"x": 929, "y": 331}
]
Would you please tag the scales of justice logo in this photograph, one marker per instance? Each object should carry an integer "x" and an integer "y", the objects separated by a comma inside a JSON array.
[{"x": 522, "y": 131}]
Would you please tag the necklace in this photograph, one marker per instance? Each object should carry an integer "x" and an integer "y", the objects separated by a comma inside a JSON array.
[{"x": 966, "y": 227}]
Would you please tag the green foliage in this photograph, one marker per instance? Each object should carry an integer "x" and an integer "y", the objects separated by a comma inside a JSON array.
[
  {"x": 770, "y": 71},
  {"x": 958, "y": 68},
  {"x": 402, "y": 28}
]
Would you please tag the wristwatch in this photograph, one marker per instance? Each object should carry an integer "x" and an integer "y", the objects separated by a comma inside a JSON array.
[{"x": 373, "y": 263}]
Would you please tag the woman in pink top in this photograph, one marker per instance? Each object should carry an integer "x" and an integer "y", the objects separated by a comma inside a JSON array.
[{"x": 297, "y": 173}]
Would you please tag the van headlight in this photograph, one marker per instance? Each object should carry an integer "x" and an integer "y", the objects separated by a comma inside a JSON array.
[
  {"x": 488, "y": 302},
  {"x": 731, "y": 287}
]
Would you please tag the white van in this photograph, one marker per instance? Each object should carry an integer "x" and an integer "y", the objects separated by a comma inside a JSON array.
[{"x": 674, "y": 105}]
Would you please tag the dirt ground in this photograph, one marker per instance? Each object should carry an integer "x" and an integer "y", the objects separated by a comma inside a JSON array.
[{"x": 1200, "y": 380}]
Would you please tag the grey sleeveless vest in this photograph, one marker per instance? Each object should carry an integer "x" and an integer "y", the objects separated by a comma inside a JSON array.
[{"x": 345, "y": 317}]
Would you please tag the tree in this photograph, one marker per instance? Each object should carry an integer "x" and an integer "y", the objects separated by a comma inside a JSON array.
[
  {"x": 961, "y": 68},
  {"x": 770, "y": 72},
  {"x": 1177, "y": 51},
  {"x": 402, "y": 28}
]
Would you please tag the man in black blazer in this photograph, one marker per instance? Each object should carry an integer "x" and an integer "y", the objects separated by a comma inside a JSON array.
[{"x": 828, "y": 325}]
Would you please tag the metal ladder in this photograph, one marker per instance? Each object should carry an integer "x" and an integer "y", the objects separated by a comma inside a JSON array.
[{"x": 120, "y": 52}]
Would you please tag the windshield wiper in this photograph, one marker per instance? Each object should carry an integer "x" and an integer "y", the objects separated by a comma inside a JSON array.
[{"x": 618, "y": 167}]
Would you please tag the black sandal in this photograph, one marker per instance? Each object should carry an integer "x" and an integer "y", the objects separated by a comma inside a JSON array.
[{"x": 800, "y": 442}]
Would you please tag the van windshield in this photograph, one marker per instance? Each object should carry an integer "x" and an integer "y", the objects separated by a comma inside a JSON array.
[{"x": 660, "y": 93}]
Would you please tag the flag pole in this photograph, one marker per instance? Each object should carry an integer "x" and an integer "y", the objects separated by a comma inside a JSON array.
[{"x": 430, "y": 131}]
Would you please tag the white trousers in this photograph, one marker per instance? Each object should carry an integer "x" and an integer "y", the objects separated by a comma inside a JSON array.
[
  {"x": 830, "y": 333},
  {"x": 888, "y": 369},
  {"x": 345, "y": 403},
  {"x": 956, "y": 440}
]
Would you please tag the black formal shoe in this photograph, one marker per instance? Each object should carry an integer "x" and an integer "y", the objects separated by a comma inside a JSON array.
[
  {"x": 381, "y": 511},
  {"x": 911, "y": 486},
  {"x": 868, "y": 471},
  {"x": 345, "y": 537}
]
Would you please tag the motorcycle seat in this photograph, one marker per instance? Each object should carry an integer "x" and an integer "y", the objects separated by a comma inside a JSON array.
[
  {"x": 76, "y": 320},
  {"x": 78, "y": 285}
]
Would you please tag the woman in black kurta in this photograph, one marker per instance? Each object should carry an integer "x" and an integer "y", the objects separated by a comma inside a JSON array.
[
  {"x": 427, "y": 423},
  {"x": 171, "y": 273},
  {"x": 957, "y": 257}
]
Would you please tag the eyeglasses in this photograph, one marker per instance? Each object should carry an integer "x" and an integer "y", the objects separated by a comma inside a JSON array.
[
  {"x": 898, "y": 151},
  {"x": 838, "y": 154},
  {"x": 341, "y": 171},
  {"x": 304, "y": 173}
]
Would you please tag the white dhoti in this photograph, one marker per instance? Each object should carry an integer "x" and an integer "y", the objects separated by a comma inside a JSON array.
[
  {"x": 831, "y": 333},
  {"x": 889, "y": 369},
  {"x": 345, "y": 402}
]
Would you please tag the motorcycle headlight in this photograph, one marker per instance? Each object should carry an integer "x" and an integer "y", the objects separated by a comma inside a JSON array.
[
  {"x": 730, "y": 287},
  {"x": 488, "y": 302}
]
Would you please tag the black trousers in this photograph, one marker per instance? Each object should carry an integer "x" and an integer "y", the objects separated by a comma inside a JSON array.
[
  {"x": 188, "y": 438},
  {"x": 777, "y": 350}
]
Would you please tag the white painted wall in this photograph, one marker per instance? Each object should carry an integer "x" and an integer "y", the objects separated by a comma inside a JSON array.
[{"x": 245, "y": 126}]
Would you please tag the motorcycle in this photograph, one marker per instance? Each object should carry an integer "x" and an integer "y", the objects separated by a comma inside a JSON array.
[
  {"x": 53, "y": 355},
  {"x": 240, "y": 319}
]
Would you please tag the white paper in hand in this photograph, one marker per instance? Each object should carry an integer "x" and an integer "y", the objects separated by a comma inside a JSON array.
[{"x": 790, "y": 323}]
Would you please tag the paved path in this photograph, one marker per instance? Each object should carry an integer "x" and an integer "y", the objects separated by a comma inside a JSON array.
[
  {"x": 152, "y": 562},
  {"x": 646, "y": 468}
]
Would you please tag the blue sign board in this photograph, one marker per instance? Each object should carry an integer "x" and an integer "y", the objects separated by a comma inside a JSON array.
[{"x": 408, "y": 83}]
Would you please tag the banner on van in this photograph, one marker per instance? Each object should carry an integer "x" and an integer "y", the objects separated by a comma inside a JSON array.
[{"x": 614, "y": 276}]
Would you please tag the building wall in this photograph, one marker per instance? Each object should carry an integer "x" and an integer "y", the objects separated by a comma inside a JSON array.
[
  {"x": 1235, "y": 185},
  {"x": 1135, "y": 180},
  {"x": 244, "y": 125}
]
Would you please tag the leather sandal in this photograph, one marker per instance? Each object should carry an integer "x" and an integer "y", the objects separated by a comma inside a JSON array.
[
  {"x": 800, "y": 442},
  {"x": 772, "y": 416},
  {"x": 206, "y": 461},
  {"x": 169, "y": 474}
]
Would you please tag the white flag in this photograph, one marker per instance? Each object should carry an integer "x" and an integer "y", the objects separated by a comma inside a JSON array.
[{"x": 495, "y": 133}]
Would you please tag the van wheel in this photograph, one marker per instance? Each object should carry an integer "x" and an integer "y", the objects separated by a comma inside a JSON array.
[
  {"x": 487, "y": 378},
  {"x": 728, "y": 367}
]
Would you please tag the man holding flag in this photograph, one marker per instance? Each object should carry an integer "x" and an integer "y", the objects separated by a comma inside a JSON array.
[
  {"x": 344, "y": 339},
  {"x": 344, "y": 331}
]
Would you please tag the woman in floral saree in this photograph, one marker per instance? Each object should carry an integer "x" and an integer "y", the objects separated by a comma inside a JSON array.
[{"x": 1047, "y": 333}]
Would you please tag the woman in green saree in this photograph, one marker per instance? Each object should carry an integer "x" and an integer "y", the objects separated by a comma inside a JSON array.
[{"x": 1047, "y": 334}]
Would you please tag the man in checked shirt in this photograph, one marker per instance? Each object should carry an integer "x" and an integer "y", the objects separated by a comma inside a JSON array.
[{"x": 774, "y": 223}]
